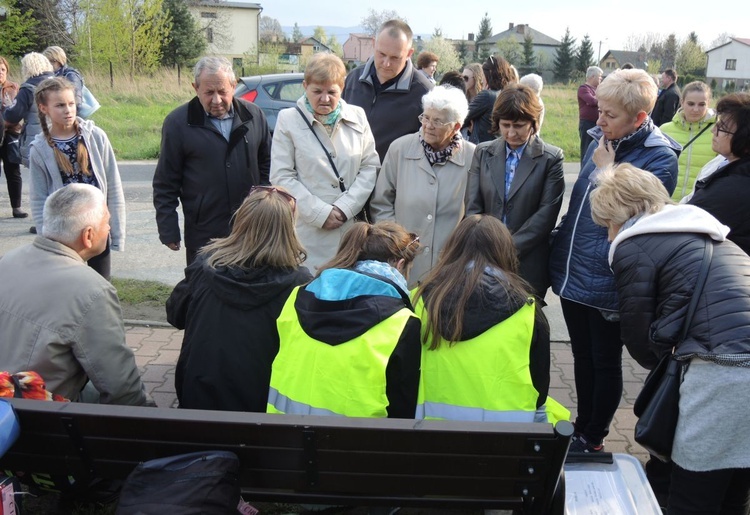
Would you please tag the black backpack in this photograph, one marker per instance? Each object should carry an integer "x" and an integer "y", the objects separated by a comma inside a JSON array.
[{"x": 195, "y": 483}]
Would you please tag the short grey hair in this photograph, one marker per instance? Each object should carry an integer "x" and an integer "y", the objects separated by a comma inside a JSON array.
[
  {"x": 69, "y": 210},
  {"x": 593, "y": 71},
  {"x": 449, "y": 100},
  {"x": 33, "y": 64},
  {"x": 213, "y": 65},
  {"x": 533, "y": 81}
]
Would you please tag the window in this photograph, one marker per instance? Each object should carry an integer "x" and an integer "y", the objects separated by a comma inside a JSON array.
[
  {"x": 208, "y": 15},
  {"x": 210, "y": 35},
  {"x": 731, "y": 64}
]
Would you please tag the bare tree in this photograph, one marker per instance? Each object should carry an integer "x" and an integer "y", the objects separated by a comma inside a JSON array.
[
  {"x": 374, "y": 19},
  {"x": 724, "y": 37},
  {"x": 636, "y": 42},
  {"x": 270, "y": 30}
]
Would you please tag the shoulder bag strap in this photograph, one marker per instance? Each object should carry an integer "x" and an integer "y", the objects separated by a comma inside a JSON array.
[
  {"x": 328, "y": 154},
  {"x": 704, "y": 129},
  {"x": 707, "y": 255}
]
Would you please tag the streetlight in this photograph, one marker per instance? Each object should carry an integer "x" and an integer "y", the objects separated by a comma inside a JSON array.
[{"x": 599, "y": 58}]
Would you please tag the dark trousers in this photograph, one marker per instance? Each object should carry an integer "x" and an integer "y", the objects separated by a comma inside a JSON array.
[
  {"x": 583, "y": 126},
  {"x": 102, "y": 263},
  {"x": 597, "y": 365},
  {"x": 725, "y": 492},
  {"x": 191, "y": 254},
  {"x": 12, "y": 177}
]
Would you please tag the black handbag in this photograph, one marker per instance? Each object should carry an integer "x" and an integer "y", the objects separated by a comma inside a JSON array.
[
  {"x": 657, "y": 405},
  {"x": 362, "y": 216}
]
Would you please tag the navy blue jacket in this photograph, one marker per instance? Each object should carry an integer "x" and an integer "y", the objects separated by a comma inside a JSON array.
[{"x": 579, "y": 270}]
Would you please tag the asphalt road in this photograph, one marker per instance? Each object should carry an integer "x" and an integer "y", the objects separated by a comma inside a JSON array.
[{"x": 146, "y": 258}]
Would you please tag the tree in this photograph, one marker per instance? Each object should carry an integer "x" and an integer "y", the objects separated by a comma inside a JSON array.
[
  {"x": 185, "y": 42},
  {"x": 529, "y": 59},
  {"x": 15, "y": 31},
  {"x": 320, "y": 34},
  {"x": 670, "y": 51},
  {"x": 270, "y": 30},
  {"x": 463, "y": 51},
  {"x": 565, "y": 58},
  {"x": 374, "y": 19},
  {"x": 437, "y": 33},
  {"x": 693, "y": 37},
  {"x": 643, "y": 40},
  {"x": 335, "y": 46},
  {"x": 51, "y": 26},
  {"x": 447, "y": 56},
  {"x": 724, "y": 37},
  {"x": 485, "y": 32},
  {"x": 511, "y": 50},
  {"x": 585, "y": 54},
  {"x": 296, "y": 33},
  {"x": 691, "y": 60}
]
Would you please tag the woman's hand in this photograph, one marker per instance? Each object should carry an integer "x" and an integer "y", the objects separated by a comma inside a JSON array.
[
  {"x": 604, "y": 155},
  {"x": 336, "y": 219}
]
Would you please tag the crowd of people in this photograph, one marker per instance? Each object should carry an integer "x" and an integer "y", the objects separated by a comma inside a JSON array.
[{"x": 387, "y": 251}]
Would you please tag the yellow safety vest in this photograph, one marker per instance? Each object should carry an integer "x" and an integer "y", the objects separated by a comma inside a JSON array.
[
  {"x": 486, "y": 378},
  {"x": 310, "y": 377}
]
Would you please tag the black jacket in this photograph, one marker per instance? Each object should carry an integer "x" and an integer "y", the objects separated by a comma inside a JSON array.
[
  {"x": 666, "y": 105},
  {"x": 229, "y": 316},
  {"x": 209, "y": 176},
  {"x": 724, "y": 195},
  {"x": 656, "y": 274},
  {"x": 480, "y": 112},
  {"x": 491, "y": 304}
]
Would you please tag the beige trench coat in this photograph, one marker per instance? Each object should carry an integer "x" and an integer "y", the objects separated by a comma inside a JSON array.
[
  {"x": 427, "y": 200},
  {"x": 299, "y": 164}
]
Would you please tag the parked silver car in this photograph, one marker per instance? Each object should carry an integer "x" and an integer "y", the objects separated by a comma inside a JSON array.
[{"x": 272, "y": 93}]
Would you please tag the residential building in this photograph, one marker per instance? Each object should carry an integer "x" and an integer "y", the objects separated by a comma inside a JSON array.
[
  {"x": 729, "y": 65},
  {"x": 545, "y": 47},
  {"x": 614, "y": 59},
  {"x": 231, "y": 28},
  {"x": 358, "y": 49}
]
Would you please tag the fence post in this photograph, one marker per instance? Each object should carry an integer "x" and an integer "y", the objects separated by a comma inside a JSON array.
[
  {"x": 111, "y": 76},
  {"x": 179, "y": 69}
]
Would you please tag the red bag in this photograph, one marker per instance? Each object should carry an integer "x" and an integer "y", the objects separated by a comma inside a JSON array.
[{"x": 26, "y": 385}]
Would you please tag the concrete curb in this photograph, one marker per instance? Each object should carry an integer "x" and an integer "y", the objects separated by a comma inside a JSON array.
[{"x": 147, "y": 323}]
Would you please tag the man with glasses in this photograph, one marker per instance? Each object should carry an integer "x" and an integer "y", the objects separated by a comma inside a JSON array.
[{"x": 388, "y": 86}]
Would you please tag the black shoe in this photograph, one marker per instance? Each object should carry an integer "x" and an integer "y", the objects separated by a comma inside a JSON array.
[
  {"x": 32, "y": 229},
  {"x": 19, "y": 213}
]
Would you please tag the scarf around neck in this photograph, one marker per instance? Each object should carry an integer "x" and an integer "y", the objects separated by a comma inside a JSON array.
[{"x": 440, "y": 156}]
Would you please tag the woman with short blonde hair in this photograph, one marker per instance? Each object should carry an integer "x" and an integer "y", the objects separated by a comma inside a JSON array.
[{"x": 229, "y": 301}]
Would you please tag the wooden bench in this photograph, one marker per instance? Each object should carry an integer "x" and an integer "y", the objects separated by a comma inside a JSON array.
[{"x": 326, "y": 460}]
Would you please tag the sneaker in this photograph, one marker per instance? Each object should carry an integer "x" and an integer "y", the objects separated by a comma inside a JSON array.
[{"x": 580, "y": 444}]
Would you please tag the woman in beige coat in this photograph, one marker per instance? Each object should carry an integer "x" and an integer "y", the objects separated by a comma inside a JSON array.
[
  {"x": 423, "y": 179},
  {"x": 323, "y": 125}
]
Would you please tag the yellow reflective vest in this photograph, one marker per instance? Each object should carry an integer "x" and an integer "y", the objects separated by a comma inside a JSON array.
[
  {"x": 310, "y": 377},
  {"x": 486, "y": 378}
]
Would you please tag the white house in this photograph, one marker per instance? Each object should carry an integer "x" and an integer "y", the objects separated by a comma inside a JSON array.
[
  {"x": 729, "y": 64},
  {"x": 231, "y": 28}
]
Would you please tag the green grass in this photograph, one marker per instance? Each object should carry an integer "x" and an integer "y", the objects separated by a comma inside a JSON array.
[
  {"x": 560, "y": 126},
  {"x": 134, "y": 291}
]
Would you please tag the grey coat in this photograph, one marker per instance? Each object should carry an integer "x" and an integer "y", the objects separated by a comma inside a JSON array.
[
  {"x": 534, "y": 200},
  {"x": 46, "y": 178},
  {"x": 427, "y": 200}
]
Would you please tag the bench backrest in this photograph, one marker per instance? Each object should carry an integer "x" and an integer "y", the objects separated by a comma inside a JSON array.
[{"x": 307, "y": 458}]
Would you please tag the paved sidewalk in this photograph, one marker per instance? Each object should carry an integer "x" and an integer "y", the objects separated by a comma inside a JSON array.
[{"x": 157, "y": 348}]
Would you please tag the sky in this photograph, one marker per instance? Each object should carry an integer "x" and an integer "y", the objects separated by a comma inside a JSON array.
[{"x": 610, "y": 22}]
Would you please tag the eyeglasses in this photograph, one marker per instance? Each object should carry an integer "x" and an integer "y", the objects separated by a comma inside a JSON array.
[
  {"x": 720, "y": 127},
  {"x": 283, "y": 193},
  {"x": 438, "y": 124}
]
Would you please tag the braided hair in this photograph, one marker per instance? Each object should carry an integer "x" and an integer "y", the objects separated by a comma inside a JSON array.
[{"x": 56, "y": 85}]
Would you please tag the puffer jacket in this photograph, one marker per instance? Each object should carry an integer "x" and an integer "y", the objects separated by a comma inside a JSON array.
[
  {"x": 656, "y": 262},
  {"x": 694, "y": 157},
  {"x": 578, "y": 262},
  {"x": 24, "y": 109}
]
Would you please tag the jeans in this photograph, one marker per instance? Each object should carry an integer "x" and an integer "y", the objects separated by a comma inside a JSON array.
[
  {"x": 102, "y": 263},
  {"x": 12, "y": 177},
  {"x": 725, "y": 492},
  {"x": 597, "y": 365}
]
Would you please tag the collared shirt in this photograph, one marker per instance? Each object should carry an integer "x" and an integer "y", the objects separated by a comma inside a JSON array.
[
  {"x": 223, "y": 125},
  {"x": 511, "y": 163}
]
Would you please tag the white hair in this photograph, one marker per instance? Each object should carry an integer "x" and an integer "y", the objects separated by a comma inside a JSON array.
[
  {"x": 33, "y": 64},
  {"x": 593, "y": 71},
  {"x": 71, "y": 209},
  {"x": 533, "y": 81},
  {"x": 449, "y": 100},
  {"x": 213, "y": 65}
]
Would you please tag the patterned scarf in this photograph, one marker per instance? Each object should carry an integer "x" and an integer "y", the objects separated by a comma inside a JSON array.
[
  {"x": 617, "y": 142},
  {"x": 329, "y": 120},
  {"x": 440, "y": 156}
]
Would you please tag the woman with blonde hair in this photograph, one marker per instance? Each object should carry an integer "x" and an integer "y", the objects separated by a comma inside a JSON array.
[
  {"x": 691, "y": 128},
  {"x": 324, "y": 153},
  {"x": 474, "y": 78},
  {"x": 657, "y": 252},
  {"x": 229, "y": 301},
  {"x": 485, "y": 353},
  {"x": 349, "y": 340},
  {"x": 73, "y": 150},
  {"x": 34, "y": 69},
  {"x": 59, "y": 61}
]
